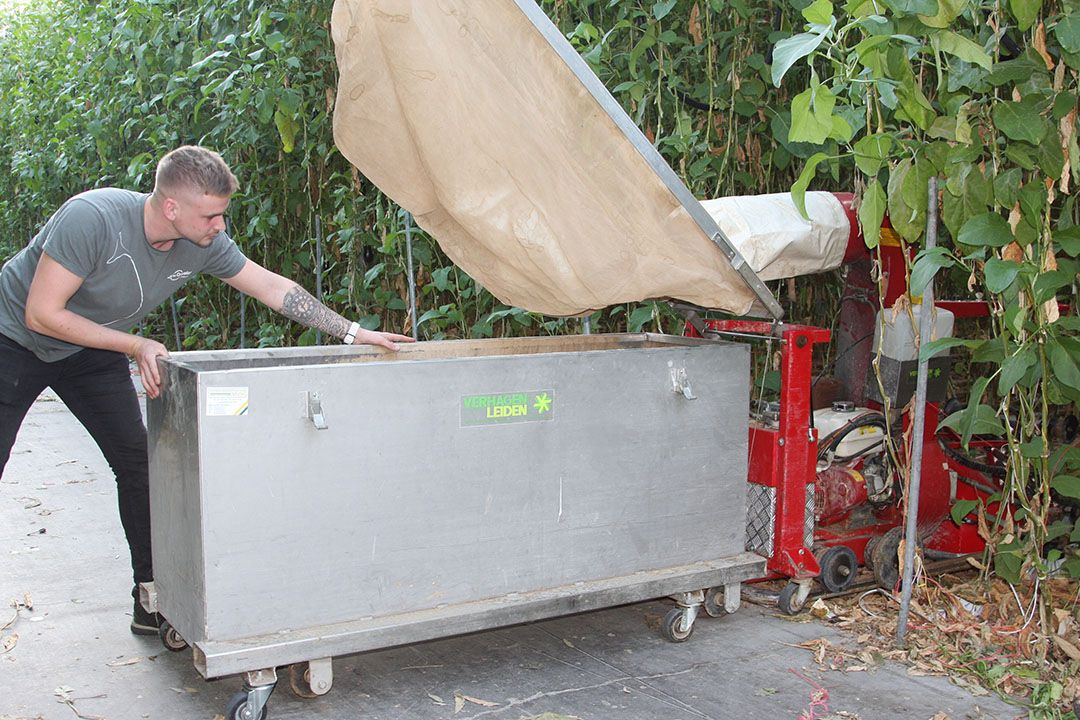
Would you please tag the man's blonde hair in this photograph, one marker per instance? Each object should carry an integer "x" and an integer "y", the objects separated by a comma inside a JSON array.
[{"x": 192, "y": 167}]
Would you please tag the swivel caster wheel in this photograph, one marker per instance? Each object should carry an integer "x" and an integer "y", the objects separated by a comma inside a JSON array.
[
  {"x": 677, "y": 626},
  {"x": 312, "y": 679},
  {"x": 171, "y": 639},
  {"x": 714, "y": 602},
  {"x": 237, "y": 708},
  {"x": 792, "y": 598}
]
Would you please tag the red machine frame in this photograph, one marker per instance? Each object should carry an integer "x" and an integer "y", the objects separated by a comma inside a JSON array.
[{"x": 783, "y": 456}]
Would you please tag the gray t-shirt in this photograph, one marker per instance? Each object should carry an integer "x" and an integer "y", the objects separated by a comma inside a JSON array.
[{"x": 98, "y": 235}]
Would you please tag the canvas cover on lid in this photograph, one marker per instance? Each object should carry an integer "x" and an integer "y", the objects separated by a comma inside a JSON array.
[{"x": 479, "y": 118}]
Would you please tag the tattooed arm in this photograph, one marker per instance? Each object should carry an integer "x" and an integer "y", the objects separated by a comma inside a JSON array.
[{"x": 296, "y": 303}]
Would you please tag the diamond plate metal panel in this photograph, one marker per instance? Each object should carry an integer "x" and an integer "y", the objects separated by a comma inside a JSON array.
[
  {"x": 808, "y": 517},
  {"x": 760, "y": 519}
]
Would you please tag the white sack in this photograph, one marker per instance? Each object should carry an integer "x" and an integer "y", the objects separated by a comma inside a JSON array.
[{"x": 774, "y": 239}]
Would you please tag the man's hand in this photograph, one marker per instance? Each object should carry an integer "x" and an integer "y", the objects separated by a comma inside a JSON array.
[
  {"x": 377, "y": 337},
  {"x": 145, "y": 352}
]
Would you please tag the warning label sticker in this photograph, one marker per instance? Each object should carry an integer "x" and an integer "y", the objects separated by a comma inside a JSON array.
[
  {"x": 511, "y": 407},
  {"x": 222, "y": 401}
]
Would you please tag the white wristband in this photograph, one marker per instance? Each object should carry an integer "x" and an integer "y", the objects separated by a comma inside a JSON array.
[{"x": 350, "y": 335}]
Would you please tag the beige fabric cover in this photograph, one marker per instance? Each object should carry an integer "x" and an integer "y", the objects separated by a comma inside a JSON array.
[
  {"x": 463, "y": 114},
  {"x": 774, "y": 239}
]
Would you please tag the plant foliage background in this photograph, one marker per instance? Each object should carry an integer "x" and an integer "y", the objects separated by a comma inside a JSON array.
[{"x": 874, "y": 96}]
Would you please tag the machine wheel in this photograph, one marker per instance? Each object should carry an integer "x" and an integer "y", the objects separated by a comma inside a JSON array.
[
  {"x": 714, "y": 602},
  {"x": 838, "y": 568},
  {"x": 237, "y": 708},
  {"x": 672, "y": 630},
  {"x": 868, "y": 553},
  {"x": 789, "y": 602},
  {"x": 886, "y": 564},
  {"x": 300, "y": 681},
  {"x": 171, "y": 639}
]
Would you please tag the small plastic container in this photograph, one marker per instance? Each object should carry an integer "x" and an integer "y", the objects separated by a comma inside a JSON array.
[{"x": 896, "y": 337}]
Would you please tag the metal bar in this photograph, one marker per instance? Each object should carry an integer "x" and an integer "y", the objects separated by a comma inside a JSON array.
[
  {"x": 656, "y": 161},
  {"x": 318, "y": 270},
  {"x": 175, "y": 324},
  {"x": 586, "y": 325},
  {"x": 412, "y": 277},
  {"x": 214, "y": 658},
  {"x": 919, "y": 424}
]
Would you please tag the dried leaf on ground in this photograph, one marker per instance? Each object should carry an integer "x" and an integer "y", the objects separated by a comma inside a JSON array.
[
  {"x": 436, "y": 699},
  {"x": 125, "y": 661},
  {"x": 9, "y": 642}
]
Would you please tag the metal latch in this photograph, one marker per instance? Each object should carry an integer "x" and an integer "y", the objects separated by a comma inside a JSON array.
[
  {"x": 680, "y": 382},
  {"x": 314, "y": 411}
]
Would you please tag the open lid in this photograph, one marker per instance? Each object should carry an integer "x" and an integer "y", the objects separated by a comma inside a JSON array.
[{"x": 483, "y": 121}]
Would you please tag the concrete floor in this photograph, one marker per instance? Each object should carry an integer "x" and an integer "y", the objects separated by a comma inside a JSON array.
[{"x": 61, "y": 542}]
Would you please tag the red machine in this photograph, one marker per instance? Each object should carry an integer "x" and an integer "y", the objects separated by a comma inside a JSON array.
[{"x": 825, "y": 492}]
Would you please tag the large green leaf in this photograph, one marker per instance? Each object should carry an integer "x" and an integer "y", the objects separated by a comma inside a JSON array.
[
  {"x": 1015, "y": 367},
  {"x": 1069, "y": 240},
  {"x": 818, "y": 12},
  {"x": 980, "y": 420},
  {"x": 914, "y": 7},
  {"x": 963, "y": 48},
  {"x": 1020, "y": 121},
  {"x": 914, "y": 105},
  {"x": 872, "y": 151},
  {"x": 1025, "y": 12},
  {"x": 1000, "y": 274},
  {"x": 811, "y": 115},
  {"x": 661, "y": 9},
  {"x": 1064, "y": 357},
  {"x": 871, "y": 213},
  {"x": 798, "y": 190},
  {"x": 961, "y": 509},
  {"x": 1007, "y": 187},
  {"x": 934, "y": 347},
  {"x": 976, "y": 418},
  {"x": 986, "y": 229},
  {"x": 790, "y": 50},
  {"x": 1067, "y": 485},
  {"x": 1048, "y": 284},
  {"x": 927, "y": 264},
  {"x": 906, "y": 212},
  {"x": 948, "y": 10},
  {"x": 1067, "y": 32}
]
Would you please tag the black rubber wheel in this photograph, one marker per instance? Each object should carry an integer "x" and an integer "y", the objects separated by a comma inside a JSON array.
[
  {"x": 886, "y": 564},
  {"x": 868, "y": 553},
  {"x": 671, "y": 628},
  {"x": 838, "y": 568},
  {"x": 788, "y": 601},
  {"x": 171, "y": 639},
  {"x": 236, "y": 709},
  {"x": 714, "y": 602},
  {"x": 300, "y": 681}
]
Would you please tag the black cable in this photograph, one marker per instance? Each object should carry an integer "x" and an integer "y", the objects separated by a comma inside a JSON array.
[{"x": 992, "y": 470}]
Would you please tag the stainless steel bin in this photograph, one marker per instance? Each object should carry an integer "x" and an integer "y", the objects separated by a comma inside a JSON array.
[{"x": 313, "y": 502}]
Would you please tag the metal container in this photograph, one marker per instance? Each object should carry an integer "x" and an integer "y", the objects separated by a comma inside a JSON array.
[{"x": 312, "y": 502}]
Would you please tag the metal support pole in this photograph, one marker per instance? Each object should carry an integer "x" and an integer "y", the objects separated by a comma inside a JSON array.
[
  {"x": 243, "y": 304},
  {"x": 412, "y": 276},
  {"x": 918, "y": 425},
  {"x": 175, "y": 325},
  {"x": 586, "y": 325},
  {"x": 318, "y": 270}
]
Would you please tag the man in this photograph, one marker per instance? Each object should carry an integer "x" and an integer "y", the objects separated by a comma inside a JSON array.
[{"x": 100, "y": 264}]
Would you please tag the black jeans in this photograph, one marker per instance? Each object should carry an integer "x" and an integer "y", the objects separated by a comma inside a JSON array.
[{"x": 96, "y": 386}]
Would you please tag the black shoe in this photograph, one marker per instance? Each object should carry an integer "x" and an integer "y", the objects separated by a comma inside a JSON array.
[{"x": 142, "y": 622}]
